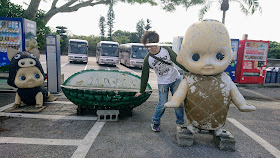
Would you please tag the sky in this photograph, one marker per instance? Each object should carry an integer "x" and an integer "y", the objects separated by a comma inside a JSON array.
[{"x": 85, "y": 21}]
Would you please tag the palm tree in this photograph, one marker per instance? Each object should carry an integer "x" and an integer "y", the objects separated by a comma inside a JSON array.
[{"x": 246, "y": 6}]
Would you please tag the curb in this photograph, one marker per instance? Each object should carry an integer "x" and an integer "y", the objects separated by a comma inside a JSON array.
[{"x": 265, "y": 85}]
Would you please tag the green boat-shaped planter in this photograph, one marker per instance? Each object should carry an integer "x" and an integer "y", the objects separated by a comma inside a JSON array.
[{"x": 105, "y": 89}]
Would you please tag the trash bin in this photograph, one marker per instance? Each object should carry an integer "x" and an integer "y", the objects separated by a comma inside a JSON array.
[
  {"x": 273, "y": 76},
  {"x": 268, "y": 74},
  {"x": 277, "y": 69}
]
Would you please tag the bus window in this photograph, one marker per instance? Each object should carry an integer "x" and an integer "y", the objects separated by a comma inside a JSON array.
[
  {"x": 109, "y": 50},
  {"x": 139, "y": 52},
  {"x": 78, "y": 48}
]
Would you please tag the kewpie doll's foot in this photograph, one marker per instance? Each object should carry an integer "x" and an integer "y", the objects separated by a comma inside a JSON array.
[
  {"x": 218, "y": 132},
  {"x": 38, "y": 106},
  {"x": 192, "y": 129},
  {"x": 247, "y": 108},
  {"x": 16, "y": 105},
  {"x": 172, "y": 105}
]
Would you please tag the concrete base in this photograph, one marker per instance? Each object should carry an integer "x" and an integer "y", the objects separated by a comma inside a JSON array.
[
  {"x": 25, "y": 109},
  {"x": 225, "y": 141},
  {"x": 107, "y": 115},
  {"x": 184, "y": 137}
]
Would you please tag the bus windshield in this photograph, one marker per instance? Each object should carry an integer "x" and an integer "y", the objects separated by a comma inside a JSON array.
[
  {"x": 109, "y": 50},
  {"x": 139, "y": 52},
  {"x": 78, "y": 47}
]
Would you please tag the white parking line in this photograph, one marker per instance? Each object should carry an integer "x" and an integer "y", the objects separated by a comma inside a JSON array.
[
  {"x": 39, "y": 141},
  {"x": 85, "y": 67},
  {"x": 261, "y": 95},
  {"x": 257, "y": 138},
  {"x": 42, "y": 116},
  {"x": 48, "y": 117},
  {"x": 58, "y": 102},
  {"x": 64, "y": 64},
  {"x": 6, "y": 107},
  {"x": 87, "y": 142},
  {"x": 54, "y": 102},
  {"x": 123, "y": 68}
]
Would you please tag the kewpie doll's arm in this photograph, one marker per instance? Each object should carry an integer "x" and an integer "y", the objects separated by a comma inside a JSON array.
[
  {"x": 239, "y": 100},
  {"x": 17, "y": 101},
  {"x": 179, "y": 96}
]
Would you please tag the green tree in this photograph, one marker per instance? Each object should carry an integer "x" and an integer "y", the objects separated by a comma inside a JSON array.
[
  {"x": 9, "y": 9},
  {"x": 121, "y": 36},
  {"x": 148, "y": 25},
  {"x": 68, "y": 6},
  {"x": 102, "y": 27},
  {"x": 110, "y": 22},
  {"x": 61, "y": 30},
  {"x": 274, "y": 50},
  {"x": 42, "y": 30},
  {"x": 134, "y": 38},
  {"x": 246, "y": 6},
  {"x": 140, "y": 28}
]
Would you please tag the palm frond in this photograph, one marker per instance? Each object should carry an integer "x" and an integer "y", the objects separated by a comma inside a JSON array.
[
  {"x": 243, "y": 9},
  {"x": 253, "y": 5},
  {"x": 204, "y": 10}
]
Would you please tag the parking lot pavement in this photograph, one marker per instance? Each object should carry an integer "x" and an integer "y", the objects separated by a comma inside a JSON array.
[{"x": 58, "y": 132}]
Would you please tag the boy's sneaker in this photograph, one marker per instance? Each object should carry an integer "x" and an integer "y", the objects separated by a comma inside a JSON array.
[{"x": 155, "y": 127}]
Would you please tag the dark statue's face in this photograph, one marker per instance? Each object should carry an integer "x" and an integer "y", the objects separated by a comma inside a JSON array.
[
  {"x": 29, "y": 77},
  {"x": 25, "y": 71}
]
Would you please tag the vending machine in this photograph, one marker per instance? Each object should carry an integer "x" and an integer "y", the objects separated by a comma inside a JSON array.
[
  {"x": 251, "y": 61},
  {"x": 14, "y": 32},
  {"x": 231, "y": 69}
]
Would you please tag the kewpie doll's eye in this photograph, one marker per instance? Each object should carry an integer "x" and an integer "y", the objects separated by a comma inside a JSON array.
[
  {"x": 195, "y": 57},
  {"x": 33, "y": 56},
  {"x": 220, "y": 56},
  {"x": 17, "y": 56},
  {"x": 37, "y": 76},
  {"x": 22, "y": 78}
]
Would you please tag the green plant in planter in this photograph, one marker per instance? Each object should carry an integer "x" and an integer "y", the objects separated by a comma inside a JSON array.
[{"x": 4, "y": 68}]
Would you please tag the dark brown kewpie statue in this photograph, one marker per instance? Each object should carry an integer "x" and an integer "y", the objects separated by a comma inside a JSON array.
[{"x": 27, "y": 74}]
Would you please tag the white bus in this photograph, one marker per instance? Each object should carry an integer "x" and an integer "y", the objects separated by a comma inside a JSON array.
[
  {"x": 132, "y": 54},
  {"x": 166, "y": 45},
  {"x": 77, "y": 50},
  {"x": 107, "y": 52}
]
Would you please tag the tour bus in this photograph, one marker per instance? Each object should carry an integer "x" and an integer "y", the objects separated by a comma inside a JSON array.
[
  {"x": 132, "y": 54},
  {"x": 107, "y": 53},
  {"x": 77, "y": 50},
  {"x": 166, "y": 45}
]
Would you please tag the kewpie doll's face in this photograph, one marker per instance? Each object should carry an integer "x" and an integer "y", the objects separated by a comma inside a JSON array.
[{"x": 206, "y": 48}]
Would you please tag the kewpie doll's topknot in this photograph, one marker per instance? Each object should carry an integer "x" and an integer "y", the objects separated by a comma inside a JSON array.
[{"x": 150, "y": 37}]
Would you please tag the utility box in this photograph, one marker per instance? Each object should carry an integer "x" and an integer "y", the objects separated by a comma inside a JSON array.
[{"x": 53, "y": 63}]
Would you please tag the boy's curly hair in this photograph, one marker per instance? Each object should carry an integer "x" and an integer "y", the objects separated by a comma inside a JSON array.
[{"x": 150, "y": 37}]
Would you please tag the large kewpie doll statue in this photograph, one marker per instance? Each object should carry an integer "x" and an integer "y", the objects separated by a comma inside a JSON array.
[{"x": 206, "y": 90}]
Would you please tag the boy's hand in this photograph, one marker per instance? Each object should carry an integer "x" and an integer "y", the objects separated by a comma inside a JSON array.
[{"x": 137, "y": 94}]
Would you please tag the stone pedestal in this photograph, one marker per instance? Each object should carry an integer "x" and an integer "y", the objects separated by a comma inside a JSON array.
[
  {"x": 225, "y": 141},
  {"x": 184, "y": 137}
]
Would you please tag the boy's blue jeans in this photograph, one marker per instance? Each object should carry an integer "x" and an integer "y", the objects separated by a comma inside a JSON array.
[{"x": 163, "y": 90}]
